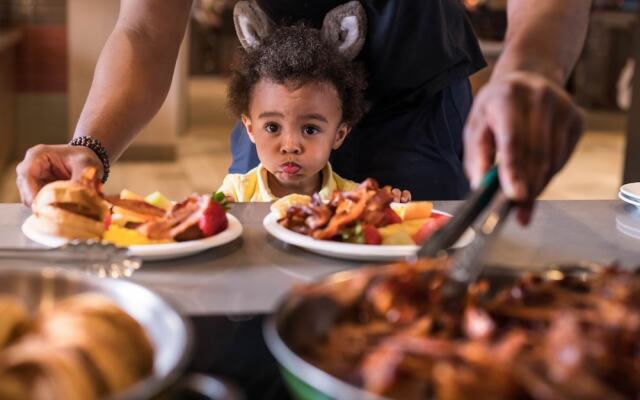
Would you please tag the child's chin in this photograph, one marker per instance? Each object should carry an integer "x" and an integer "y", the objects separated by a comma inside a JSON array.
[{"x": 291, "y": 178}]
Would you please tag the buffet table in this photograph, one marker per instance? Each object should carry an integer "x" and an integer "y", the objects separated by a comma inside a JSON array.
[
  {"x": 248, "y": 275},
  {"x": 228, "y": 291}
]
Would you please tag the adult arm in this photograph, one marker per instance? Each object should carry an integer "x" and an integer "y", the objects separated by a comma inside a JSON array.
[
  {"x": 131, "y": 80},
  {"x": 134, "y": 71},
  {"x": 523, "y": 118}
]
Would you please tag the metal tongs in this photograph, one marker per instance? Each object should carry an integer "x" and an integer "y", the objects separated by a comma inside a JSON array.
[
  {"x": 468, "y": 263},
  {"x": 95, "y": 257}
]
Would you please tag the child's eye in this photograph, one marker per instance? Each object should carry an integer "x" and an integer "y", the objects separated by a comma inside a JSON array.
[
  {"x": 271, "y": 127},
  {"x": 310, "y": 130}
]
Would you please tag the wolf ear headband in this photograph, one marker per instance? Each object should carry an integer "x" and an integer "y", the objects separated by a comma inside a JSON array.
[{"x": 344, "y": 27}]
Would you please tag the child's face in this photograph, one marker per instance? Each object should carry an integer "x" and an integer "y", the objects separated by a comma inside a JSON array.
[{"x": 294, "y": 130}]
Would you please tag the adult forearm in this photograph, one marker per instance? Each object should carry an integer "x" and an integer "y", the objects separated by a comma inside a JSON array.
[
  {"x": 130, "y": 83},
  {"x": 543, "y": 36}
]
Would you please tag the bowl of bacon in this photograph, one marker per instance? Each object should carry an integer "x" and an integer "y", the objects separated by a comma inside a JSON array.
[{"x": 380, "y": 333}]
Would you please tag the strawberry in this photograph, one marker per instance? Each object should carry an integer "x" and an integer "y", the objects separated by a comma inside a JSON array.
[
  {"x": 391, "y": 217},
  {"x": 214, "y": 218},
  {"x": 429, "y": 228},
  {"x": 371, "y": 235},
  {"x": 107, "y": 221}
]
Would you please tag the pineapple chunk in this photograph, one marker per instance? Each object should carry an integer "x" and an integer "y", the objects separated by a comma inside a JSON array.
[
  {"x": 395, "y": 234},
  {"x": 127, "y": 194},
  {"x": 159, "y": 200},
  {"x": 128, "y": 237}
]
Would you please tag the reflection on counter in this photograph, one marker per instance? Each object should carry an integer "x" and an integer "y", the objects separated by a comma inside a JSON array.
[{"x": 629, "y": 222}]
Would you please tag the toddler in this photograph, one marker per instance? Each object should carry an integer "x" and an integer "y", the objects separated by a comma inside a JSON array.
[{"x": 298, "y": 99}]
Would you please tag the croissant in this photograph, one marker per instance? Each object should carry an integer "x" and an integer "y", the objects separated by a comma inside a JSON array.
[{"x": 83, "y": 347}]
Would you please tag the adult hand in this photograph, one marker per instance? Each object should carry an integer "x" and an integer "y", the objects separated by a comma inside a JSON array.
[
  {"x": 529, "y": 126},
  {"x": 47, "y": 163}
]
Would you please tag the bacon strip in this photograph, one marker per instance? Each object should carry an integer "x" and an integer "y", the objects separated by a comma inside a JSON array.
[
  {"x": 325, "y": 221},
  {"x": 181, "y": 216}
]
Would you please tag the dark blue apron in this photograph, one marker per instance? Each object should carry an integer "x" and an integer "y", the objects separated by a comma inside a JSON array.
[{"x": 418, "y": 149}]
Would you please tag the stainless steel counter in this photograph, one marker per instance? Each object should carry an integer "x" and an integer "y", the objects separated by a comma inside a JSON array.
[{"x": 248, "y": 275}]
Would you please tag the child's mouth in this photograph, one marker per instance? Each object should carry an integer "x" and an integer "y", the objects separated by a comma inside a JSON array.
[{"x": 290, "y": 168}]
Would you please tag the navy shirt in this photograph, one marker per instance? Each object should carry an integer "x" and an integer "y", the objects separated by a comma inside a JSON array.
[
  {"x": 411, "y": 46},
  {"x": 418, "y": 55}
]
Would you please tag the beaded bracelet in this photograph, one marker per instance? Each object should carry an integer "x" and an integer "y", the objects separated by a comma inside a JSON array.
[{"x": 95, "y": 145}]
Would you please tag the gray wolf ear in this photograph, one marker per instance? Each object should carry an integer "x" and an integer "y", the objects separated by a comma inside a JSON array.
[
  {"x": 252, "y": 24},
  {"x": 345, "y": 27}
]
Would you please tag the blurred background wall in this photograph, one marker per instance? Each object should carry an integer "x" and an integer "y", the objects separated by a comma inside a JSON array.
[{"x": 48, "y": 49}]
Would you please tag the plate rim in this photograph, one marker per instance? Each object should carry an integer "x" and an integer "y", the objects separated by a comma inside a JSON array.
[
  {"x": 150, "y": 252},
  {"x": 347, "y": 250},
  {"x": 625, "y": 191},
  {"x": 627, "y": 200}
]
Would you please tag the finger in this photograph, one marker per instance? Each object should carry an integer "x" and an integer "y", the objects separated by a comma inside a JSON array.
[
  {"x": 507, "y": 122},
  {"x": 41, "y": 165},
  {"x": 525, "y": 212},
  {"x": 479, "y": 148},
  {"x": 542, "y": 135},
  {"x": 27, "y": 190},
  {"x": 406, "y": 196},
  {"x": 396, "y": 194},
  {"x": 27, "y": 185}
]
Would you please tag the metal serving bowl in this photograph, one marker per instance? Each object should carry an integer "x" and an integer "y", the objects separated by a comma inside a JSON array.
[
  {"x": 298, "y": 320},
  {"x": 169, "y": 333}
]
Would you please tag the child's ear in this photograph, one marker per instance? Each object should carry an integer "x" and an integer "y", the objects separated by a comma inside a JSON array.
[
  {"x": 343, "y": 131},
  {"x": 246, "y": 121}
]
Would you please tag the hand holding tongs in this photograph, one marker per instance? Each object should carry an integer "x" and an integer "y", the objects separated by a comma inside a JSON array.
[{"x": 469, "y": 262}]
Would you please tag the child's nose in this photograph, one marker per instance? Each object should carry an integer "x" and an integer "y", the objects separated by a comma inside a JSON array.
[{"x": 290, "y": 145}]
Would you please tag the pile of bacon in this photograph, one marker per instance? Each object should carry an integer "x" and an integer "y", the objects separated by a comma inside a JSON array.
[
  {"x": 539, "y": 337},
  {"x": 369, "y": 205}
]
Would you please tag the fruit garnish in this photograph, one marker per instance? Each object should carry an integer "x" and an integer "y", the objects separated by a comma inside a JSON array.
[
  {"x": 220, "y": 198},
  {"x": 127, "y": 194},
  {"x": 121, "y": 236},
  {"x": 159, "y": 200},
  {"x": 429, "y": 228},
  {"x": 107, "y": 221},
  {"x": 371, "y": 235},
  {"x": 352, "y": 234},
  {"x": 391, "y": 216},
  {"x": 214, "y": 218}
]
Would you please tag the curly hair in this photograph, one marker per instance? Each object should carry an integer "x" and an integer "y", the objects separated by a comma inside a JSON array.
[{"x": 294, "y": 56}]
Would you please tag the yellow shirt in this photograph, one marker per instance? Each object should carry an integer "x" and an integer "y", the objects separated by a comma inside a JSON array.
[{"x": 254, "y": 186}]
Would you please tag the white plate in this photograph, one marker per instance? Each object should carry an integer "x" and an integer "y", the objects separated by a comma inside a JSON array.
[
  {"x": 628, "y": 200},
  {"x": 351, "y": 251},
  {"x": 149, "y": 252},
  {"x": 632, "y": 191}
]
